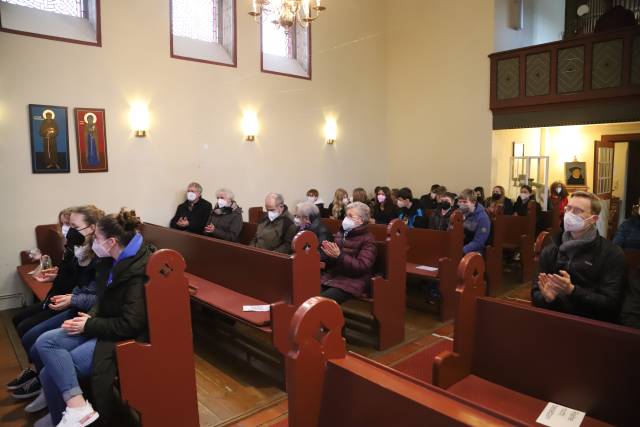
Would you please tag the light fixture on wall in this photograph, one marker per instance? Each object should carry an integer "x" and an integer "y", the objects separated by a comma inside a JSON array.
[
  {"x": 330, "y": 130},
  {"x": 250, "y": 125},
  {"x": 139, "y": 118},
  {"x": 288, "y": 12}
]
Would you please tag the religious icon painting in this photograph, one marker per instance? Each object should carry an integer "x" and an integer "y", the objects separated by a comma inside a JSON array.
[
  {"x": 49, "y": 139},
  {"x": 91, "y": 139}
]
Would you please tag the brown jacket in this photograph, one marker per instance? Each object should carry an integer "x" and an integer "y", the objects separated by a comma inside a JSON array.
[
  {"x": 227, "y": 223},
  {"x": 353, "y": 269},
  {"x": 275, "y": 235}
]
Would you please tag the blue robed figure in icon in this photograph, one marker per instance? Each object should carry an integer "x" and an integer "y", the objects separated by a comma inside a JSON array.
[{"x": 93, "y": 158}]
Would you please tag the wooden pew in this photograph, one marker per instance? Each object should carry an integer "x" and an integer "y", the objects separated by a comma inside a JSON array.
[
  {"x": 248, "y": 231},
  {"x": 551, "y": 219},
  {"x": 633, "y": 259},
  {"x": 256, "y": 214},
  {"x": 329, "y": 387},
  {"x": 513, "y": 359},
  {"x": 158, "y": 378},
  {"x": 517, "y": 233},
  {"x": 543, "y": 239}
]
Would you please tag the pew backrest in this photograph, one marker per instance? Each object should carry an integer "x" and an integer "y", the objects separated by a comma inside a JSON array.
[{"x": 49, "y": 241}]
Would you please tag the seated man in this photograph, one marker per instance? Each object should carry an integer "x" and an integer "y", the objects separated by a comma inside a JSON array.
[
  {"x": 477, "y": 224},
  {"x": 276, "y": 230},
  {"x": 351, "y": 259},
  {"x": 410, "y": 209},
  {"x": 225, "y": 221},
  {"x": 581, "y": 273},
  {"x": 440, "y": 220},
  {"x": 628, "y": 234},
  {"x": 430, "y": 200},
  {"x": 192, "y": 215}
]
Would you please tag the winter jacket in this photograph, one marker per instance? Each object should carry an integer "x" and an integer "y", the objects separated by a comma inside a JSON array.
[
  {"x": 276, "y": 235},
  {"x": 384, "y": 216},
  {"x": 413, "y": 216},
  {"x": 438, "y": 221},
  {"x": 477, "y": 228},
  {"x": 506, "y": 203},
  {"x": 630, "y": 315},
  {"x": 427, "y": 202},
  {"x": 354, "y": 267},
  {"x": 120, "y": 314},
  {"x": 227, "y": 222},
  {"x": 628, "y": 234},
  {"x": 341, "y": 215},
  {"x": 197, "y": 215},
  {"x": 70, "y": 275},
  {"x": 521, "y": 208},
  {"x": 598, "y": 271}
]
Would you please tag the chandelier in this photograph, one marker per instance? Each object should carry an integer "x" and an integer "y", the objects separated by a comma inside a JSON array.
[{"x": 287, "y": 12}]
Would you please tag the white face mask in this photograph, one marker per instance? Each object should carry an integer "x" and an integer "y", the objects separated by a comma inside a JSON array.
[
  {"x": 100, "y": 251},
  {"x": 191, "y": 196},
  {"x": 297, "y": 221},
  {"x": 272, "y": 215},
  {"x": 311, "y": 199},
  {"x": 573, "y": 222},
  {"x": 348, "y": 224},
  {"x": 222, "y": 203},
  {"x": 345, "y": 201},
  {"x": 524, "y": 196},
  {"x": 65, "y": 230},
  {"x": 559, "y": 190},
  {"x": 80, "y": 252}
]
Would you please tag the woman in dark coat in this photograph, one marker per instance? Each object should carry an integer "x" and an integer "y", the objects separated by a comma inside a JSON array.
[
  {"x": 351, "y": 259},
  {"x": 225, "y": 221},
  {"x": 85, "y": 345},
  {"x": 384, "y": 210}
]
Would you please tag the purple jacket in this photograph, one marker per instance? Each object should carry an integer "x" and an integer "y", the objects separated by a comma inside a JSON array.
[{"x": 353, "y": 269}]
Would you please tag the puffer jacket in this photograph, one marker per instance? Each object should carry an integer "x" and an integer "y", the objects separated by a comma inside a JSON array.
[
  {"x": 227, "y": 222},
  {"x": 275, "y": 235}
]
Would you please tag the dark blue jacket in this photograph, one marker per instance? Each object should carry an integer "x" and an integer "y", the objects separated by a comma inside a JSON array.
[
  {"x": 477, "y": 227},
  {"x": 628, "y": 234}
]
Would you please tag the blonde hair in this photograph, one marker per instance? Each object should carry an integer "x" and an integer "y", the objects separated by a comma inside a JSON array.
[{"x": 337, "y": 201}]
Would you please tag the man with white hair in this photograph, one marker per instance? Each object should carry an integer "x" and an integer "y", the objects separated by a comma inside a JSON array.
[
  {"x": 192, "y": 215},
  {"x": 225, "y": 221},
  {"x": 277, "y": 230}
]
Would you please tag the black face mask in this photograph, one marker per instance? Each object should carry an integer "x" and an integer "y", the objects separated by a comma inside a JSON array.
[
  {"x": 74, "y": 238},
  {"x": 496, "y": 196},
  {"x": 444, "y": 205}
]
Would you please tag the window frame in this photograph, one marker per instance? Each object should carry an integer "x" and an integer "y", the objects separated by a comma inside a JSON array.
[
  {"x": 280, "y": 73},
  {"x": 97, "y": 43},
  {"x": 234, "y": 56}
]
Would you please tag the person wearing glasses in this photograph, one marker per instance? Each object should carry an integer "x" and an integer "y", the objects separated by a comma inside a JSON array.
[{"x": 581, "y": 272}]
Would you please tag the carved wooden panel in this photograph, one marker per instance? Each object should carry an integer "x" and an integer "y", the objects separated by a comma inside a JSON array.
[
  {"x": 607, "y": 64},
  {"x": 508, "y": 78},
  {"x": 538, "y": 74},
  {"x": 571, "y": 69}
]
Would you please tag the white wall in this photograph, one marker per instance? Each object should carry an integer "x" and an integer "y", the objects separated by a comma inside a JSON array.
[
  {"x": 543, "y": 23},
  {"x": 439, "y": 123},
  {"x": 195, "y": 112}
]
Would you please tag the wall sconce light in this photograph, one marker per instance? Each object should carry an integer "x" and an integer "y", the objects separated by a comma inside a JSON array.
[
  {"x": 250, "y": 125},
  {"x": 330, "y": 130},
  {"x": 139, "y": 117}
]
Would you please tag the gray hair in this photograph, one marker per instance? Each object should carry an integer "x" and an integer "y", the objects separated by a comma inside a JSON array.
[
  {"x": 277, "y": 197},
  {"x": 307, "y": 209},
  {"x": 195, "y": 185},
  {"x": 362, "y": 210},
  {"x": 228, "y": 193}
]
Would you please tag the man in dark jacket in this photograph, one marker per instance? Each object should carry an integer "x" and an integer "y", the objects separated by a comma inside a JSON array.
[
  {"x": 277, "y": 230},
  {"x": 477, "y": 225},
  {"x": 581, "y": 273},
  {"x": 307, "y": 217},
  {"x": 430, "y": 200},
  {"x": 410, "y": 209},
  {"x": 440, "y": 219},
  {"x": 192, "y": 215},
  {"x": 225, "y": 221}
]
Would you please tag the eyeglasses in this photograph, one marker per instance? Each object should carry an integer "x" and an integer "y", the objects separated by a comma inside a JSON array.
[{"x": 574, "y": 209}]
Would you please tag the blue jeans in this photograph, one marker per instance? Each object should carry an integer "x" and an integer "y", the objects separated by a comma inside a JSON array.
[
  {"x": 30, "y": 337},
  {"x": 65, "y": 359}
]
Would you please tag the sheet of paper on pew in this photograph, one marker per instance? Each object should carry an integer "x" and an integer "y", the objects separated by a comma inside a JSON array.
[
  {"x": 427, "y": 268},
  {"x": 555, "y": 415},
  {"x": 265, "y": 307}
]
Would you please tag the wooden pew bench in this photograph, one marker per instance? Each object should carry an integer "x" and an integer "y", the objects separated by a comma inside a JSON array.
[
  {"x": 516, "y": 233},
  {"x": 51, "y": 243},
  {"x": 158, "y": 378},
  {"x": 329, "y": 387},
  {"x": 513, "y": 359}
]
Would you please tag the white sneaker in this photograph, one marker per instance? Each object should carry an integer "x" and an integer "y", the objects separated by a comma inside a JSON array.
[
  {"x": 45, "y": 421},
  {"x": 78, "y": 417},
  {"x": 38, "y": 404}
]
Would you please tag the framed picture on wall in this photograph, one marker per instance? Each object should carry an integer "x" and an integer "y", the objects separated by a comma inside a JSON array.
[
  {"x": 575, "y": 173},
  {"x": 91, "y": 140},
  {"x": 49, "y": 139}
]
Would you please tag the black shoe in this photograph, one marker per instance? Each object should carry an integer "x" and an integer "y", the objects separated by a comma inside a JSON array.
[
  {"x": 28, "y": 390},
  {"x": 25, "y": 375}
]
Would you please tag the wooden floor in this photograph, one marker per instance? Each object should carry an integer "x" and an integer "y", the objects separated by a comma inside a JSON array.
[{"x": 229, "y": 391}]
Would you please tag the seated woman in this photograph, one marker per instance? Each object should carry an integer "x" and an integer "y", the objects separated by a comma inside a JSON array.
[
  {"x": 307, "y": 217},
  {"x": 384, "y": 210},
  {"x": 628, "y": 234},
  {"x": 480, "y": 195},
  {"x": 521, "y": 206},
  {"x": 85, "y": 345},
  {"x": 499, "y": 201},
  {"x": 360, "y": 195},
  {"x": 225, "y": 221},
  {"x": 63, "y": 307},
  {"x": 340, "y": 201},
  {"x": 63, "y": 221},
  {"x": 350, "y": 260},
  {"x": 559, "y": 195}
]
